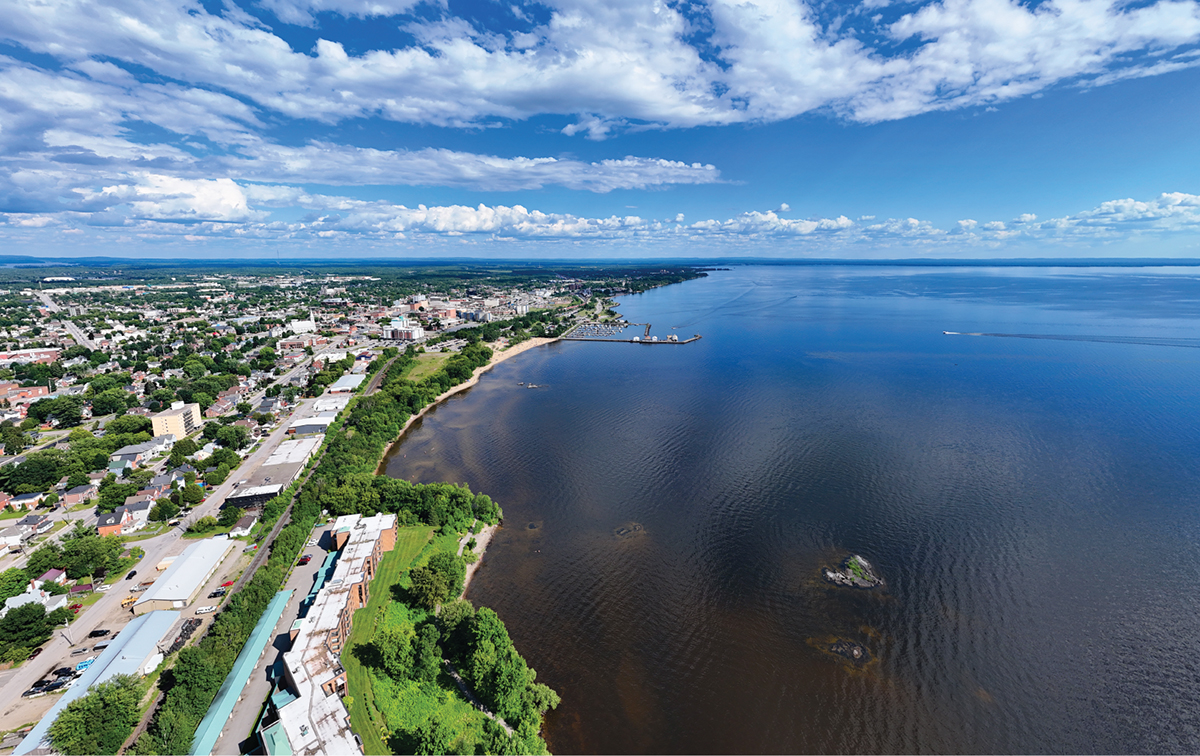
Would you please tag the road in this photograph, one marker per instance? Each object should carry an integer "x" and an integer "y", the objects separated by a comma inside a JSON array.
[
  {"x": 76, "y": 333},
  {"x": 15, "y": 681}
]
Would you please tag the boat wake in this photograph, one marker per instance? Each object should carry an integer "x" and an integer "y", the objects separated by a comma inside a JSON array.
[{"x": 1138, "y": 340}]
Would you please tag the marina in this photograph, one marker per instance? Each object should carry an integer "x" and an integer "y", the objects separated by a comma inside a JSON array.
[{"x": 612, "y": 332}]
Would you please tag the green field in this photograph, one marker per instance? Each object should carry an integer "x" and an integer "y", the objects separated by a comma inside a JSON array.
[
  {"x": 426, "y": 365},
  {"x": 365, "y": 716}
]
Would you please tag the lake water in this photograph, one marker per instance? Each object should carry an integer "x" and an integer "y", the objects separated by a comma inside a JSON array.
[{"x": 1032, "y": 504}]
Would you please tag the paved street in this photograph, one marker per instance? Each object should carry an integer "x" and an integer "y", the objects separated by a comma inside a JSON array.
[{"x": 107, "y": 611}]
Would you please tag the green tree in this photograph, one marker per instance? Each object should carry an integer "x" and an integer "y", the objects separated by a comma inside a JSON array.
[
  {"x": 229, "y": 516},
  {"x": 427, "y": 655},
  {"x": 434, "y": 737},
  {"x": 25, "y": 626},
  {"x": 13, "y": 582},
  {"x": 163, "y": 510},
  {"x": 192, "y": 494},
  {"x": 244, "y": 408},
  {"x": 91, "y": 555},
  {"x": 233, "y": 436},
  {"x": 451, "y": 569},
  {"x": 129, "y": 424},
  {"x": 428, "y": 587},
  {"x": 99, "y": 721},
  {"x": 394, "y": 645},
  {"x": 48, "y": 556},
  {"x": 111, "y": 402}
]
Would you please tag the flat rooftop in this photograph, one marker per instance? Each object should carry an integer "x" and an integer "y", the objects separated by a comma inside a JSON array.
[{"x": 188, "y": 572}]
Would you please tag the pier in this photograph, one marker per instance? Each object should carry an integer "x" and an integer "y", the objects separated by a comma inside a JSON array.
[
  {"x": 634, "y": 340},
  {"x": 610, "y": 332}
]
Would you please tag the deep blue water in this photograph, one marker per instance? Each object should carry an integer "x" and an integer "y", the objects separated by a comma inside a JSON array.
[{"x": 1032, "y": 504}]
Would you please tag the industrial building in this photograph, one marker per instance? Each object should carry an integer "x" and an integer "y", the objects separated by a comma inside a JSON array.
[
  {"x": 347, "y": 384},
  {"x": 285, "y": 464},
  {"x": 185, "y": 578},
  {"x": 307, "y": 714},
  {"x": 179, "y": 420},
  {"x": 329, "y": 403},
  {"x": 137, "y": 650},
  {"x": 307, "y": 425},
  {"x": 252, "y": 497}
]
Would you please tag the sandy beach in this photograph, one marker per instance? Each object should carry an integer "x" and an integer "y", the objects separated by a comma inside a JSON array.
[
  {"x": 482, "y": 538},
  {"x": 497, "y": 358}
]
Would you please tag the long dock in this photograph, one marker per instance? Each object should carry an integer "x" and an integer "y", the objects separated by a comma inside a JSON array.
[
  {"x": 611, "y": 329},
  {"x": 633, "y": 340}
]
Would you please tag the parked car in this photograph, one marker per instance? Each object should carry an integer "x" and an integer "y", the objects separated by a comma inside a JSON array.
[
  {"x": 75, "y": 608},
  {"x": 63, "y": 671},
  {"x": 206, "y": 610},
  {"x": 79, "y": 652},
  {"x": 227, "y": 583},
  {"x": 99, "y": 633},
  {"x": 85, "y": 664},
  {"x": 56, "y": 685},
  {"x": 131, "y": 575},
  {"x": 305, "y": 559},
  {"x": 34, "y": 692},
  {"x": 103, "y": 588},
  {"x": 35, "y": 653}
]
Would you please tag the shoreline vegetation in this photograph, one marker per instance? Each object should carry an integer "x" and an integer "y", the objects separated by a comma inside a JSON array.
[
  {"x": 343, "y": 481},
  {"x": 401, "y": 696}
]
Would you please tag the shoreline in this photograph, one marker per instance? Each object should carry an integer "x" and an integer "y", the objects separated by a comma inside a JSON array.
[
  {"x": 482, "y": 539},
  {"x": 497, "y": 358}
]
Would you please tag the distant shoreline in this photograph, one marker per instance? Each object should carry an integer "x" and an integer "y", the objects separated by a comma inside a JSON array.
[{"x": 497, "y": 358}]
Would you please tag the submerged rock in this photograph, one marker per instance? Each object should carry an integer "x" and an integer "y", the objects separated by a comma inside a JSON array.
[
  {"x": 855, "y": 572},
  {"x": 855, "y": 652},
  {"x": 629, "y": 530}
]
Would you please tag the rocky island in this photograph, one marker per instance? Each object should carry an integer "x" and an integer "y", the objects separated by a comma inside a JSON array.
[{"x": 856, "y": 572}]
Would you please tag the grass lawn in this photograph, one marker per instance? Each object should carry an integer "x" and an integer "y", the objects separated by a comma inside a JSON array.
[
  {"x": 426, "y": 365},
  {"x": 365, "y": 717},
  {"x": 150, "y": 531},
  {"x": 219, "y": 530},
  {"x": 11, "y": 514}
]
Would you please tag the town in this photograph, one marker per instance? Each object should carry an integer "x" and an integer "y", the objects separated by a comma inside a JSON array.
[{"x": 154, "y": 435}]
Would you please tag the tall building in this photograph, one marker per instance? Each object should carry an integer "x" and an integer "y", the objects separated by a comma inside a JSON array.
[{"x": 180, "y": 421}]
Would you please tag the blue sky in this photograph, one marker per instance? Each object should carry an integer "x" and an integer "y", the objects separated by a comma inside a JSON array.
[{"x": 394, "y": 128}]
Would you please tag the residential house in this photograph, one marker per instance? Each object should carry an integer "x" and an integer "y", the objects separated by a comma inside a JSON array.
[
  {"x": 244, "y": 525},
  {"x": 222, "y": 406},
  {"x": 114, "y": 523},
  {"x": 80, "y": 494},
  {"x": 12, "y": 538},
  {"x": 51, "y": 576},
  {"x": 139, "y": 513},
  {"x": 27, "y": 501},
  {"x": 36, "y": 524},
  {"x": 34, "y": 595}
]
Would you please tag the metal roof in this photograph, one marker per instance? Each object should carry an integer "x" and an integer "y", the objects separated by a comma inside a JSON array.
[
  {"x": 227, "y": 697},
  {"x": 189, "y": 571},
  {"x": 125, "y": 655}
]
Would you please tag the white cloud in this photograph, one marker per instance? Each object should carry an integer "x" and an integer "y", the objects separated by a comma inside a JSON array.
[
  {"x": 323, "y": 163},
  {"x": 157, "y": 207},
  {"x": 622, "y": 63},
  {"x": 302, "y": 12}
]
